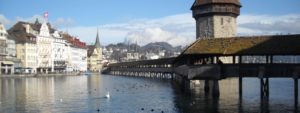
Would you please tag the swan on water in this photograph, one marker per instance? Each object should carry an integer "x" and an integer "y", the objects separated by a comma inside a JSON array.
[{"x": 107, "y": 95}]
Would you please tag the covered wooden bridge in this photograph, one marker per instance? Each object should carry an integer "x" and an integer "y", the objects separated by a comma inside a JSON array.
[{"x": 213, "y": 59}]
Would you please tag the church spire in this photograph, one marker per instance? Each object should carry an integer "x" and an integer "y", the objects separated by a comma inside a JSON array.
[
  {"x": 36, "y": 21},
  {"x": 97, "y": 43}
]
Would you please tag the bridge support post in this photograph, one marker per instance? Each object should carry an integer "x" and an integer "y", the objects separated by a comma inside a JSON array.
[
  {"x": 296, "y": 92},
  {"x": 215, "y": 89},
  {"x": 185, "y": 85},
  {"x": 261, "y": 88},
  {"x": 264, "y": 88},
  {"x": 206, "y": 86},
  {"x": 212, "y": 86},
  {"x": 240, "y": 87},
  {"x": 240, "y": 76},
  {"x": 267, "y": 88}
]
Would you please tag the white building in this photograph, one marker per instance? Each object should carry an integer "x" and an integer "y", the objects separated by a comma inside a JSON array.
[
  {"x": 60, "y": 52},
  {"x": 11, "y": 47},
  {"x": 78, "y": 59},
  {"x": 151, "y": 56},
  {"x": 45, "y": 53},
  {"x": 77, "y": 54},
  {"x": 11, "y": 51}
]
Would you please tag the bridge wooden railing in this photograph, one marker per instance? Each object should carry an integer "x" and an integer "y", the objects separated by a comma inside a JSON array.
[
  {"x": 164, "y": 62},
  {"x": 161, "y": 68}
]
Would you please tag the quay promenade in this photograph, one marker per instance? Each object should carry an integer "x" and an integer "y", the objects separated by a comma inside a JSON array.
[{"x": 39, "y": 75}]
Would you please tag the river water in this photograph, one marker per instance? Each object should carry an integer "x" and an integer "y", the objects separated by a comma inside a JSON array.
[{"x": 86, "y": 94}]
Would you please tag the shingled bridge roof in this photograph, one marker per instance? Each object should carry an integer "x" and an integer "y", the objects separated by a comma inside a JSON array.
[{"x": 247, "y": 45}]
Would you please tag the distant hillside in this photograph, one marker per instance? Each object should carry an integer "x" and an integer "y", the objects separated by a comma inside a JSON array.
[
  {"x": 151, "y": 47},
  {"x": 158, "y": 46},
  {"x": 120, "y": 50}
]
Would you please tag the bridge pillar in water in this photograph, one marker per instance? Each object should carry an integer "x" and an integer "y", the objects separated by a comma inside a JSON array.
[
  {"x": 264, "y": 88},
  {"x": 212, "y": 87},
  {"x": 187, "y": 85},
  {"x": 240, "y": 87},
  {"x": 206, "y": 86},
  {"x": 215, "y": 89},
  {"x": 296, "y": 92}
]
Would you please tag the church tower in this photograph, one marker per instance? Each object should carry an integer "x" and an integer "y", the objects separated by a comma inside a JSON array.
[
  {"x": 216, "y": 18},
  {"x": 97, "y": 43},
  {"x": 95, "y": 55}
]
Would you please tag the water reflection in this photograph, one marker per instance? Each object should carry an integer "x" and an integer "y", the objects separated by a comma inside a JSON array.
[
  {"x": 138, "y": 95},
  {"x": 17, "y": 94},
  {"x": 281, "y": 98},
  {"x": 85, "y": 94}
]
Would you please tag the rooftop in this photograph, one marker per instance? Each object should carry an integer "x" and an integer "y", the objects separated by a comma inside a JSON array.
[
  {"x": 247, "y": 45},
  {"x": 205, "y": 2}
]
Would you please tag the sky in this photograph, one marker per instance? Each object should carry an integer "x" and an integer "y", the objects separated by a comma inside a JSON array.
[{"x": 146, "y": 21}]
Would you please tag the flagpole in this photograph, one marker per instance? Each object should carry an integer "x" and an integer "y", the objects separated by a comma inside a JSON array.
[{"x": 46, "y": 16}]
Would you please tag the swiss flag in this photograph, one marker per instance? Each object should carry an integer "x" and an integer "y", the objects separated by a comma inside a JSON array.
[{"x": 46, "y": 14}]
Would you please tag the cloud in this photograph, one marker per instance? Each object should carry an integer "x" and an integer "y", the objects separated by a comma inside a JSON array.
[
  {"x": 4, "y": 20},
  {"x": 31, "y": 19},
  {"x": 180, "y": 29},
  {"x": 63, "y": 22},
  {"x": 88, "y": 34},
  {"x": 58, "y": 23},
  {"x": 268, "y": 24},
  {"x": 149, "y": 35},
  {"x": 176, "y": 29}
]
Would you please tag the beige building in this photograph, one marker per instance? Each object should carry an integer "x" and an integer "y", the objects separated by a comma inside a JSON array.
[
  {"x": 95, "y": 56},
  {"x": 26, "y": 47}
]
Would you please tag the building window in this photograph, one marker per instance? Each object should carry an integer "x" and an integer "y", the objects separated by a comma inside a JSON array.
[
  {"x": 229, "y": 20},
  {"x": 222, "y": 21}
]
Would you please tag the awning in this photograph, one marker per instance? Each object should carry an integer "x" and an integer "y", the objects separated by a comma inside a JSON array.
[{"x": 7, "y": 62}]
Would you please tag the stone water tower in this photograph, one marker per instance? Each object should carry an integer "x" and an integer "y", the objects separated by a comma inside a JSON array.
[{"x": 216, "y": 18}]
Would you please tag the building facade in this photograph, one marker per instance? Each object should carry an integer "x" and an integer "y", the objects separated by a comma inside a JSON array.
[
  {"x": 60, "y": 52},
  {"x": 3, "y": 46},
  {"x": 77, "y": 54},
  {"x": 11, "y": 52},
  {"x": 27, "y": 52},
  {"x": 45, "y": 53},
  {"x": 95, "y": 56},
  {"x": 42, "y": 49}
]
